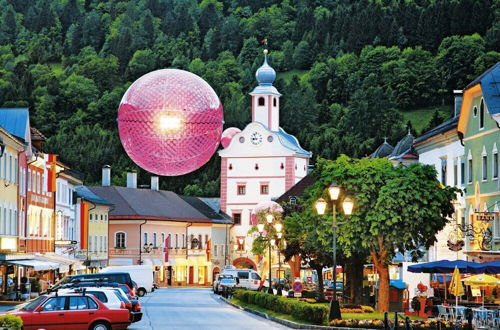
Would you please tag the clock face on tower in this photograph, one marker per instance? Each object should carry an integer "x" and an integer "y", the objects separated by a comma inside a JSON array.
[{"x": 256, "y": 138}]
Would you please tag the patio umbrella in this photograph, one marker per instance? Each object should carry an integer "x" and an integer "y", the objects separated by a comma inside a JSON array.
[
  {"x": 456, "y": 287},
  {"x": 482, "y": 280}
]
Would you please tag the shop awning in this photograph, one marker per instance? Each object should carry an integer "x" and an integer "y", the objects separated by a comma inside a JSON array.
[
  {"x": 447, "y": 267},
  {"x": 64, "y": 262},
  {"x": 35, "y": 264}
]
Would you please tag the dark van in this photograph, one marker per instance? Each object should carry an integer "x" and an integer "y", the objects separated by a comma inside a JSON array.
[{"x": 122, "y": 278}]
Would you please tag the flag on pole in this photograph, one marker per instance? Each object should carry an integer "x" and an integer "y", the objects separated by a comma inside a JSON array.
[
  {"x": 51, "y": 166},
  {"x": 209, "y": 247},
  {"x": 84, "y": 225}
]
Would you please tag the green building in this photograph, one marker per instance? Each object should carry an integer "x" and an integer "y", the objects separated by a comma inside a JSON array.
[{"x": 478, "y": 129}]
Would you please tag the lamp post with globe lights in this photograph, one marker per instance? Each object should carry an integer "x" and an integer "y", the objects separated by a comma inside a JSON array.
[
  {"x": 334, "y": 192},
  {"x": 272, "y": 231}
]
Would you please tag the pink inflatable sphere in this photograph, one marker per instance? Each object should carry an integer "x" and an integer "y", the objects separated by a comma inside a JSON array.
[
  {"x": 170, "y": 122},
  {"x": 227, "y": 135}
]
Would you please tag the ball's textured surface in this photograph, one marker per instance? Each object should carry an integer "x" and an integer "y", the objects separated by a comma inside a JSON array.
[
  {"x": 227, "y": 136},
  {"x": 170, "y": 122}
]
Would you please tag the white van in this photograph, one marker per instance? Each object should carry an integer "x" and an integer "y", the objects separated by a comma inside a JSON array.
[
  {"x": 245, "y": 278},
  {"x": 141, "y": 274}
]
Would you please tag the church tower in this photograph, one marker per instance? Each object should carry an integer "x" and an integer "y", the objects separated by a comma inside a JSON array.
[
  {"x": 258, "y": 164},
  {"x": 266, "y": 98}
]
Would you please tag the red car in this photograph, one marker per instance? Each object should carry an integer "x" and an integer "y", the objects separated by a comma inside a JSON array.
[{"x": 70, "y": 311}]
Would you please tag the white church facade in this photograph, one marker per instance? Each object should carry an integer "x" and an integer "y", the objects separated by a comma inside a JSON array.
[{"x": 258, "y": 164}]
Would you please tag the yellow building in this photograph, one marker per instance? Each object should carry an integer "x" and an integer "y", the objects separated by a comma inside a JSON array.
[
  {"x": 98, "y": 235},
  {"x": 10, "y": 147},
  {"x": 92, "y": 228}
]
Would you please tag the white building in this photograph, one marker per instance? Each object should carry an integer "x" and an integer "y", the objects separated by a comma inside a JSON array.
[
  {"x": 65, "y": 222},
  {"x": 259, "y": 164},
  {"x": 442, "y": 148}
]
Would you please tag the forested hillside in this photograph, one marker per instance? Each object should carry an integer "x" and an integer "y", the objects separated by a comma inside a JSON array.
[{"x": 358, "y": 64}]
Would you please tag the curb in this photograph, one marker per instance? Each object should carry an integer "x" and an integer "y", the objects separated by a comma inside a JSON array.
[{"x": 287, "y": 323}]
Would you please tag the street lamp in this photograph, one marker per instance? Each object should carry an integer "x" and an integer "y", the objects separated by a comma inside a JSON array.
[
  {"x": 280, "y": 292},
  {"x": 272, "y": 241},
  {"x": 348, "y": 205}
]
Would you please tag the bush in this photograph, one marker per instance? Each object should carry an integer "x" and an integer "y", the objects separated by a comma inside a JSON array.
[
  {"x": 313, "y": 313},
  {"x": 11, "y": 321}
]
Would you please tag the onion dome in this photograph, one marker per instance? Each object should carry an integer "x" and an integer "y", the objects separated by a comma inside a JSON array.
[
  {"x": 265, "y": 75},
  {"x": 384, "y": 150}
]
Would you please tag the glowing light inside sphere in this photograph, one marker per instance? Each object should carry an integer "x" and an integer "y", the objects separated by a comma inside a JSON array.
[{"x": 170, "y": 122}]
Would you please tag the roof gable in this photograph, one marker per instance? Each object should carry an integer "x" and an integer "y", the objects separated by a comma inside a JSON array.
[
  {"x": 149, "y": 204},
  {"x": 16, "y": 122},
  {"x": 487, "y": 84}
]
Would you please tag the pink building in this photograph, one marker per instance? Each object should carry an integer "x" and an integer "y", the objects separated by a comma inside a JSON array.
[{"x": 174, "y": 234}]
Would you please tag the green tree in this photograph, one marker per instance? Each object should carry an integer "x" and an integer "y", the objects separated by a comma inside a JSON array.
[
  {"x": 142, "y": 62},
  {"x": 396, "y": 207}
]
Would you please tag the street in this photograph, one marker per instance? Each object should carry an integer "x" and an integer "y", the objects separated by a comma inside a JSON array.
[{"x": 195, "y": 308}]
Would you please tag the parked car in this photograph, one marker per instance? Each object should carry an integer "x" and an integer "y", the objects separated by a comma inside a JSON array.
[
  {"x": 216, "y": 285},
  {"x": 132, "y": 304},
  {"x": 245, "y": 278},
  {"x": 121, "y": 277},
  {"x": 143, "y": 275},
  {"x": 70, "y": 310}
]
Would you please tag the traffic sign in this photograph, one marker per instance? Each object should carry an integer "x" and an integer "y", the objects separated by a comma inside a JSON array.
[
  {"x": 297, "y": 294},
  {"x": 297, "y": 287}
]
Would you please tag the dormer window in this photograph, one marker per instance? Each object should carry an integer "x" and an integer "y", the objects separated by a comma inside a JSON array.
[{"x": 262, "y": 101}]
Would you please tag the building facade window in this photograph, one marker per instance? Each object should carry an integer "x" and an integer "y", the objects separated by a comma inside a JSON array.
[
  {"x": 495, "y": 165},
  {"x": 485, "y": 167},
  {"x": 455, "y": 173},
  {"x": 215, "y": 250},
  {"x": 145, "y": 239},
  {"x": 481, "y": 114},
  {"x": 237, "y": 218},
  {"x": 169, "y": 241},
  {"x": 155, "y": 243},
  {"x": 120, "y": 241},
  {"x": 183, "y": 241},
  {"x": 443, "y": 170},
  {"x": 242, "y": 189},
  {"x": 470, "y": 171},
  {"x": 163, "y": 240},
  {"x": 176, "y": 241},
  {"x": 262, "y": 101},
  {"x": 462, "y": 171},
  {"x": 264, "y": 189}
]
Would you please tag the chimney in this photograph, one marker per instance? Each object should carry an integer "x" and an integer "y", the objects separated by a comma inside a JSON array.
[
  {"x": 106, "y": 176},
  {"x": 155, "y": 183},
  {"x": 132, "y": 179},
  {"x": 458, "y": 95}
]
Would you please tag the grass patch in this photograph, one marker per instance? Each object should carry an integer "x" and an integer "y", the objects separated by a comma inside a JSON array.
[
  {"x": 268, "y": 312},
  {"x": 287, "y": 76},
  {"x": 345, "y": 316},
  {"x": 420, "y": 117}
]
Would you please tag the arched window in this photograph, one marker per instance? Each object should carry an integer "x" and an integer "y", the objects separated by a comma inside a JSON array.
[
  {"x": 481, "y": 114},
  {"x": 154, "y": 241},
  {"x": 183, "y": 241},
  {"x": 169, "y": 241},
  {"x": 145, "y": 239},
  {"x": 200, "y": 244},
  {"x": 262, "y": 101},
  {"x": 176, "y": 241},
  {"x": 120, "y": 241},
  {"x": 274, "y": 102}
]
